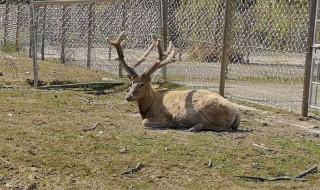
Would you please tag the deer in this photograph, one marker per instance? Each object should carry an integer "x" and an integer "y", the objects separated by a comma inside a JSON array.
[{"x": 190, "y": 110}]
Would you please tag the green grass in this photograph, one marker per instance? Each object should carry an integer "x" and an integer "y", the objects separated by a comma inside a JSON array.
[{"x": 43, "y": 142}]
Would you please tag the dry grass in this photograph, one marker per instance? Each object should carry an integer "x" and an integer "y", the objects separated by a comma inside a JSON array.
[{"x": 43, "y": 144}]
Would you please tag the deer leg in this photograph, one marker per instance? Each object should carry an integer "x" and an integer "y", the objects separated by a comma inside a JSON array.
[
  {"x": 149, "y": 123},
  {"x": 196, "y": 128}
]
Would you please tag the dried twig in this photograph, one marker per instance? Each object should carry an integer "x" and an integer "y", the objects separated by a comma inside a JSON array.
[
  {"x": 85, "y": 100},
  {"x": 124, "y": 150},
  {"x": 311, "y": 170},
  {"x": 263, "y": 147},
  {"x": 252, "y": 178},
  {"x": 299, "y": 177},
  {"x": 281, "y": 178},
  {"x": 210, "y": 164},
  {"x": 92, "y": 128},
  {"x": 133, "y": 170}
]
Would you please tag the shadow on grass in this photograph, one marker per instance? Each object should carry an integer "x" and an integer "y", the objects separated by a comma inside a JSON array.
[{"x": 184, "y": 129}]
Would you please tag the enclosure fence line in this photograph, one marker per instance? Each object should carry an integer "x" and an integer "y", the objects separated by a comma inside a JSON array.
[{"x": 252, "y": 51}]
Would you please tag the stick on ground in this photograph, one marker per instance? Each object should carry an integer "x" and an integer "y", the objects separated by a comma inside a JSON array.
[
  {"x": 210, "y": 164},
  {"x": 84, "y": 99},
  {"x": 133, "y": 170},
  {"x": 263, "y": 147},
  {"x": 92, "y": 128},
  {"x": 281, "y": 178},
  {"x": 299, "y": 177},
  {"x": 311, "y": 170}
]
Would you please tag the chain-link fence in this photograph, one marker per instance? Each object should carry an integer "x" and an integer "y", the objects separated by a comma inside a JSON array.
[
  {"x": 267, "y": 40},
  {"x": 15, "y": 25},
  {"x": 268, "y": 50}
]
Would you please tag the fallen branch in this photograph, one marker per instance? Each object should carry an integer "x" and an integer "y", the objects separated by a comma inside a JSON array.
[
  {"x": 263, "y": 147},
  {"x": 281, "y": 178},
  {"x": 299, "y": 177},
  {"x": 252, "y": 178},
  {"x": 83, "y": 85},
  {"x": 312, "y": 170},
  {"x": 92, "y": 128},
  {"x": 133, "y": 170}
]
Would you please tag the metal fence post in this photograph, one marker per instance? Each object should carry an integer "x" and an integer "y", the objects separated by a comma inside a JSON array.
[
  {"x": 34, "y": 45},
  {"x": 90, "y": 33},
  {"x": 308, "y": 63},
  {"x": 63, "y": 35},
  {"x": 6, "y": 22},
  {"x": 226, "y": 46},
  {"x": 18, "y": 27},
  {"x": 43, "y": 35},
  {"x": 163, "y": 7},
  {"x": 30, "y": 26}
]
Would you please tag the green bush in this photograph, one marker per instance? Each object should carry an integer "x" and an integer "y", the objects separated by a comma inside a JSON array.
[{"x": 9, "y": 47}]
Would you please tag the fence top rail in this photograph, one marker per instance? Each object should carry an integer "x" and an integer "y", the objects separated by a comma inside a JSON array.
[{"x": 63, "y": 2}]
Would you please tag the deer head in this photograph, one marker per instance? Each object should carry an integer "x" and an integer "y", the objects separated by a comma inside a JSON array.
[{"x": 140, "y": 84}]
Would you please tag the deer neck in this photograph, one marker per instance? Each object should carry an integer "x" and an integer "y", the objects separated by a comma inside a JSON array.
[{"x": 146, "y": 102}]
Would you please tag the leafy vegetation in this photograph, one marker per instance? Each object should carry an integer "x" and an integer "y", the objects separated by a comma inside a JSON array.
[
  {"x": 9, "y": 47},
  {"x": 259, "y": 24}
]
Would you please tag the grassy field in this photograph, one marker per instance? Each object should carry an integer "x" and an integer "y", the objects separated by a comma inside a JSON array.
[{"x": 44, "y": 146}]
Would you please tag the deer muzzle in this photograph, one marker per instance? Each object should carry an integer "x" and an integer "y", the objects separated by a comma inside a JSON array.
[{"x": 129, "y": 97}]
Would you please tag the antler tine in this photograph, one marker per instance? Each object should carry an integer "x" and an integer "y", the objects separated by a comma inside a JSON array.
[
  {"x": 118, "y": 46},
  {"x": 160, "y": 52},
  {"x": 145, "y": 55},
  {"x": 160, "y": 63},
  {"x": 169, "y": 48},
  {"x": 170, "y": 58},
  {"x": 118, "y": 41}
]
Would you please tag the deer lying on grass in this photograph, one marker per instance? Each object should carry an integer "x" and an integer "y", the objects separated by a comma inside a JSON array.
[{"x": 193, "y": 109}]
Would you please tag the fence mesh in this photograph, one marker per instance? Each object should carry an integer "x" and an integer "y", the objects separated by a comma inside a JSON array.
[
  {"x": 267, "y": 55},
  {"x": 268, "y": 41},
  {"x": 196, "y": 28}
]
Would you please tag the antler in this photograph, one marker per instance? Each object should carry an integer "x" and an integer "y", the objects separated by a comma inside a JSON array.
[
  {"x": 164, "y": 58},
  {"x": 145, "y": 55},
  {"x": 117, "y": 44}
]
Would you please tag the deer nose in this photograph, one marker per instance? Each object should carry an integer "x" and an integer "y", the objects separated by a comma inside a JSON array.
[{"x": 129, "y": 97}]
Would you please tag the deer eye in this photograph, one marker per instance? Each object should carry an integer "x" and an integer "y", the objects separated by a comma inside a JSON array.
[{"x": 141, "y": 85}]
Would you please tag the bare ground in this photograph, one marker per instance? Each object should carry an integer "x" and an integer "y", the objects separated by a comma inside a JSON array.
[{"x": 43, "y": 145}]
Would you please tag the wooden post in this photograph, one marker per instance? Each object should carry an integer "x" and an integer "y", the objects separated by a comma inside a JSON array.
[
  {"x": 34, "y": 45},
  {"x": 163, "y": 6},
  {"x": 43, "y": 33},
  {"x": 63, "y": 35},
  {"x": 6, "y": 22},
  {"x": 18, "y": 27},
  {"x": 226, "y": 46},
  {"x": 90, "y": 34},
  {"x": 308, "y": 63}
]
